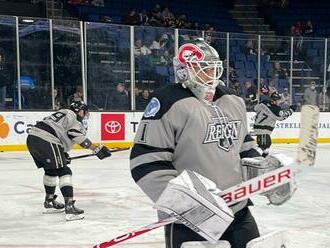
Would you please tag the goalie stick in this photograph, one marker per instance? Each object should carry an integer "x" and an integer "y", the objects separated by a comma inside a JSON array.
[
  {"x": 94, "y": 154},
  {"x": 232, "y": 195}
]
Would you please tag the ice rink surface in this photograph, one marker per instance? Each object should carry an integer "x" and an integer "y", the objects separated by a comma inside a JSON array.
[{"x": 114, "y": 205}]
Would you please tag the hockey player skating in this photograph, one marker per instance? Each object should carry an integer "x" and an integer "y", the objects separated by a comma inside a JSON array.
[
  {"x": 268, "y": 112},
  {"x": 201, "y": 126},
  {"x": 48, "y": 143}
]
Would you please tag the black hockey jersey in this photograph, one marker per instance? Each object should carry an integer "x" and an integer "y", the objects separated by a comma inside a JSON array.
[
  {"x": 267, "y": 115},
  {"x": 180, "y": 132}
]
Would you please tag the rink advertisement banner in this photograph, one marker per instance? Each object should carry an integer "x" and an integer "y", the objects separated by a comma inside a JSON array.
[
  {"x": 118, "y": 129},
  {"x": 112, "y": 127}
]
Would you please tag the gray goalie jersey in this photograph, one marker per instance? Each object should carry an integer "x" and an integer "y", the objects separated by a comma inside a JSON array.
[
  {"x": 180, "y": 132},
  {"x": 62, "y": 128},
  {"x": 267, "y": 115}
]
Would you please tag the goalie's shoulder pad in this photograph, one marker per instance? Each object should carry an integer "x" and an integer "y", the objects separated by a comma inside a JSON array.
[{"x": 163, "y": 99}]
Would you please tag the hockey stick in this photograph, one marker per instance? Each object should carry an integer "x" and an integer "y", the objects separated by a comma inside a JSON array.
[
  {"x": 94, "y": 154},
  {"x": 231, "y": 195}
]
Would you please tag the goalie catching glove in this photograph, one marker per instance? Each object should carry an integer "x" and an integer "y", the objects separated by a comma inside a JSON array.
[
  {"x": 102, "y": 152},
  {"x": 194, "y": 200},
  {"x": 254, "y": 167}
]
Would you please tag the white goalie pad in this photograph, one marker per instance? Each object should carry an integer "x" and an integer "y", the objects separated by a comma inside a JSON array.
[
  {"x": 194, "y": 200},
  {"x": 307, "y": 147},
  {"x": 206, "y": 244},
  {"x": 278, "y": 239}
]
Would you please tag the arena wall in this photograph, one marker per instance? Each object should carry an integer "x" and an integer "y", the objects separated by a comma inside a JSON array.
[{"x": 117, "y": 129}]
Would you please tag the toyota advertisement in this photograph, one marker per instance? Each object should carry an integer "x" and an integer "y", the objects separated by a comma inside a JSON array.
[{"x": 112, "y": 126}]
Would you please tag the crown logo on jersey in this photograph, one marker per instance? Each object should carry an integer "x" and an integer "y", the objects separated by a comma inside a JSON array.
[{"x": 222, "y": 131}]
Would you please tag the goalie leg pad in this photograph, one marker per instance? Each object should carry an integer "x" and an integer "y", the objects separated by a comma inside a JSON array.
[
  {"x": 278, "y": 239},
  {"x": 308, "y": 135},
  {"x": 205, "y": 244}
]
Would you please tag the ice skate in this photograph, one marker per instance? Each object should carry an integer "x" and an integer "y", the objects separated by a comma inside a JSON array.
[
  {"x": 52, "y": 206},
  {"x": 72, "y": 212}
]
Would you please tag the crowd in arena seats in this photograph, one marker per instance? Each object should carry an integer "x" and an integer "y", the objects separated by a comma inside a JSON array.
[
  {"x": 302, "y": 29},
  {"x": 158, "y": 17},
  {"x": 98, "y": 3}
]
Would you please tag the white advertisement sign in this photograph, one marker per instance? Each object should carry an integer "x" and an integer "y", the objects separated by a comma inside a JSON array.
[{"x": 110, "y": 127}]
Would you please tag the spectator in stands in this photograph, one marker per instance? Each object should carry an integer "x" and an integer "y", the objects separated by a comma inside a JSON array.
[
  {"x": 98, "y": 3},
  {"x": 195, "y": 26},
  {"x": 297, "y": 31},
  {"x": 166, "y": 15},
  {"x": 156, "y": 16},
  {"x": 279, "y": 72},
  {"x": 311, "y": 96},
  {"x": 285, "y": 98},
  {"x": 164, "y": 41},
  {"x": 154, "y": 58},
  {"x": 165, "y": 58},
  {"x": 46, "y": 100},
  {"x": 132, "y": 18},
  {"x": 250, "y": 95},
  {"x": 78, "y": 95},
  {"x": 264, "y": 90},
  {"x": 143, "y": 100},
  {"x": 144, "y": 19},
  {"x": 325, "y": 99},
  {"x": 236, "y": 87},
  {"x": 249, "y": 47},
  {"x": 119, "y": 99},
  {"x": 232, "y": 73},
  {"x": 309, "y": 31},
  {"x": 4, "y": 79},
  {"x": 137, "y": 92},
  {"x": 154, "y": 45},
  {"x": 141, "y": 49},
  {"x": 58, "y": 99},
  {"x": 209, "y": 32},
  {"x": 181, "y": 22}
]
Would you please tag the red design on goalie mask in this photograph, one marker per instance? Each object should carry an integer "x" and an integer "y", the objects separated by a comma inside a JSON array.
[{"x": 190, "y": 53}]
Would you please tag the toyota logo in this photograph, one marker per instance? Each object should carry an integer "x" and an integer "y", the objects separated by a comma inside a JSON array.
[{"x": 112, "y": 127}]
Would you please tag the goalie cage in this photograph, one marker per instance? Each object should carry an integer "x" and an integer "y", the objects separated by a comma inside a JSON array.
[
  {"x": 309, "y": 122},
  {"x": 277, "y": 239}
]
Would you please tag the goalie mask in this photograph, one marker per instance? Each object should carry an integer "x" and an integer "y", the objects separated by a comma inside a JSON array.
[{"x": 199, "y": 68}]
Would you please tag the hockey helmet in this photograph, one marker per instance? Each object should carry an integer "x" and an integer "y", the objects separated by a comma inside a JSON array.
[
  {"x": 199, "y": 68},
  {"x": 76, "y": 106},
  {"x": 275, "y": 96}
]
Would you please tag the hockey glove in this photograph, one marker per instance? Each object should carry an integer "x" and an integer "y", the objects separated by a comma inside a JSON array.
[
  {"x": 67, "y": 158},
  {"x": 293, "y": 107},
  {"x": 102, "y": 152},
  {"x": 253, "y": 167}
]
